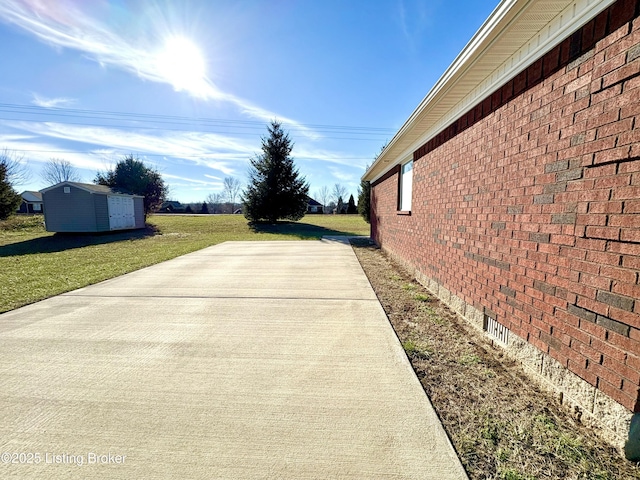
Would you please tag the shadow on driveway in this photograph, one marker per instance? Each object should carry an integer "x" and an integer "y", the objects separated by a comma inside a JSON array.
[{"x": 304, "y": 231}]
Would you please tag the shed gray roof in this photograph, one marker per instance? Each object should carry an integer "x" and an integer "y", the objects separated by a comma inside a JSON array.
[{"x": 89, "y": 187}]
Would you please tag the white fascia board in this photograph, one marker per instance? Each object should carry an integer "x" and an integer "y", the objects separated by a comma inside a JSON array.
[
  {"x": 485, "y": 29},
  {"x": 504, "y": 17}
]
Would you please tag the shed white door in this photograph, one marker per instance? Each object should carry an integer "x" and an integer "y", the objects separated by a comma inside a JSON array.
[{"x": 121, "y": 213}]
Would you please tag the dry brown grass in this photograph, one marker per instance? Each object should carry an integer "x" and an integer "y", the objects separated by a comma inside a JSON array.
[{"x": 501, "y": 424}]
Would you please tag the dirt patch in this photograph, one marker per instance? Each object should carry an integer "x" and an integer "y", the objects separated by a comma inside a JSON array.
[{"x": 500, "y": 423}]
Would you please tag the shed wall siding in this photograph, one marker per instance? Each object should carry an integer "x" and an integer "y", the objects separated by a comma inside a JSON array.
[
  {"x": 529, "y": 208},
  {"x": 138, "y": 210},
  {"x": 69, "y": 212},
  {"x": 101, "y": 212}
]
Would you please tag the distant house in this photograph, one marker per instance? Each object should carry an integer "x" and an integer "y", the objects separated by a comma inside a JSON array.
[
  {"x": 171, "y": 206},
  {"x": 31, "y": 202},
  {"x": 314, "y": 206},
  {"x": 84, "y": 207}
]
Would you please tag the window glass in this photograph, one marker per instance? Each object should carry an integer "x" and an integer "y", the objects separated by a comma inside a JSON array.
[{"x": 406, "y": 185}]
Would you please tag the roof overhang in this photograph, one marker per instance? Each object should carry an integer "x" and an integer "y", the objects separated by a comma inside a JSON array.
[
  {"x": 516, "y": 34},
  {"x": 92, "y": 189}
]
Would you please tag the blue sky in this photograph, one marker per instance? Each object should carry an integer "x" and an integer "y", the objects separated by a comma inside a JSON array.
[{"x": 189, "y": 86}]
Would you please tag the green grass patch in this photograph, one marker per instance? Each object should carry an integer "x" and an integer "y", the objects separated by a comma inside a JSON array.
[
  {"x": 469, "y": 359},
  {"x": 491, "y": 430},
  {"x": 513, "y": 474},
  {"x": 432, "y": 314},
  {"x": 421, "y": 297},
  {"x": 416, "y": 350},
  {"x": 35, "y": 264}
]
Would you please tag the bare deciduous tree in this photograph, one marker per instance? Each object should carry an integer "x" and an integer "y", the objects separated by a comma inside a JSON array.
[
  {"x": 339, "y": 191},
  {"x": 231, "y": 189},
  {"x": 58, "y": 170},
  {"x": 214, "y": 200},
  {"x": 323, "y": 195},
  {"x": 16, "y": 170}
]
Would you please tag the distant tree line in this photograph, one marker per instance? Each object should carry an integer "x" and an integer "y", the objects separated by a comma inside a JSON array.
[{"x": 332, "y": 200}]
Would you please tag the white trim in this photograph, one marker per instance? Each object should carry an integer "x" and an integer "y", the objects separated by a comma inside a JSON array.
[
  {"x": 405, "y": 190},
  {"x": 506, "y": 23}
]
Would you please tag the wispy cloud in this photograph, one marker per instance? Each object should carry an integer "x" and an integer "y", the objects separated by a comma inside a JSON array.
[
  {"x": 337, "y": 158},
  {"x": 227, "y": 155},
  {"x": 65, "y": 24},
  {"x": 51, "y": 102},
  {"x": 214, "y": 151},
  {"x": 191, "y": 181},
  {"x": 104, "y": 146},
  {"x": 342, "y": 175},
  {"x": 414, "y": 18},
  {"x": 36, "y": 152}
]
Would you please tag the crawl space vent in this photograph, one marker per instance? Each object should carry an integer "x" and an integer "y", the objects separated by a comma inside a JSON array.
[{"x": 496, "y": 330}]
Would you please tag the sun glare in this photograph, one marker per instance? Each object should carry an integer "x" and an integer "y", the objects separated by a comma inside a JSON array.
[{"x": 181, "y": 63}]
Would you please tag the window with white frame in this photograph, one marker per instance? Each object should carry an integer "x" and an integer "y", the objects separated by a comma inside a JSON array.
[{"x": 406, "y": 186}]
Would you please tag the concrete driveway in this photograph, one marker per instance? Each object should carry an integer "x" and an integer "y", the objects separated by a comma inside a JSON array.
[{"x": 246, "y": 360}]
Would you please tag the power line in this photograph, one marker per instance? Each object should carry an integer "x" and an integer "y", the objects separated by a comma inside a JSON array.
[
  {"x": 164, "y": 129},
  {"x": 182, "y": 120},
  {"x": 126, "y": 152},
  {"x": 146, "y": 121}
]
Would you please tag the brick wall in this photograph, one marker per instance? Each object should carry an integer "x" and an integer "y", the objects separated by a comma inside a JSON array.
[{"x": 528, "y": 206}]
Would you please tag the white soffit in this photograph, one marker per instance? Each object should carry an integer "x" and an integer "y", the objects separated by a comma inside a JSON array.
[{"x": 517, "y": 33}]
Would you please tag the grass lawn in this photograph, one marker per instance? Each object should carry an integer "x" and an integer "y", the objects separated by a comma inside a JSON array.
[{"x": 35, "y": 264}]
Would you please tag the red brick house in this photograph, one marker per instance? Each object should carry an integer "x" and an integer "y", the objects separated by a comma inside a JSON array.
[{"x": 513, "y": 193}]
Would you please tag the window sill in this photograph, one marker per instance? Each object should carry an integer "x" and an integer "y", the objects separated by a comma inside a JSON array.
[{"x": 404, "y": 212}]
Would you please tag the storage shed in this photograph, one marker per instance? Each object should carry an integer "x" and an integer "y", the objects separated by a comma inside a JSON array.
[{"x": 85, "y": 207}]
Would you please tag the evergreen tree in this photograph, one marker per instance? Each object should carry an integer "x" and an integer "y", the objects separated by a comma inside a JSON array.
[
  {"x": 131, "y": 175},
  {"x": 351, "y": 206},
  {"x": 188, "y": 209},
  {"x": 205, "y": 208},
  {"x": 340, "y": 208},
  {"x": 275, "y": 190},
  {"x": 364, "y": 200},
  {"x": 9, "y": 199},
  {"x": 364, "y": 193}
]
